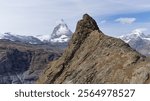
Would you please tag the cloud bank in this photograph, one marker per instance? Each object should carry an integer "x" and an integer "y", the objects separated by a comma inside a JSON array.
[{"x": 126, "y": 20}]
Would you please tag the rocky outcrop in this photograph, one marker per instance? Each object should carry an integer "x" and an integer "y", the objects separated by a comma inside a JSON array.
[
  {"x": 23, "y": 63},
  {"x": 93, "y": 57}
]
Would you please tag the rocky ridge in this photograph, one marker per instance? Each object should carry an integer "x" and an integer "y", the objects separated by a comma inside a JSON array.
[{"x": 93, "y": 57}]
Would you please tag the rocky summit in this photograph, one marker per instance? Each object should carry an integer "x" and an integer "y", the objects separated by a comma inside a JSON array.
[{"x": 93, "y": 57}]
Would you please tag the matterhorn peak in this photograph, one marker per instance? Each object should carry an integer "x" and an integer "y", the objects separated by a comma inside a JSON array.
[
  {"x": 61, "y": 32},
  {"x": 62, "y": 21}
]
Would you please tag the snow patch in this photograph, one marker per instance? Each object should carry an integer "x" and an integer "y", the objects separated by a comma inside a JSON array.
[{"x": 135, "y": 35}]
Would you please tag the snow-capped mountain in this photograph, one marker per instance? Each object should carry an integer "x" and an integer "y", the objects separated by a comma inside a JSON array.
[
  {"x": 20, "y": 38},
  {"x": 61, "y": 33},
  {"x": 44, "y": 38},
  {"x": 138, "y": 40},
  {"x": 134, "y": 35}
]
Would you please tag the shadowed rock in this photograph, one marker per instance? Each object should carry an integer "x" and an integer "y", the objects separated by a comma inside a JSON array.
[{"x": 23, "y": 63}]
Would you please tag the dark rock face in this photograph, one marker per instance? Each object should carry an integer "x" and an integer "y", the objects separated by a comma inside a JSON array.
[
  {"x": 22, "y": 63},
  {"x": 86, "y": 25},
  {"x": 12, "y": 64},
  {"x": 93, "y": 57}
]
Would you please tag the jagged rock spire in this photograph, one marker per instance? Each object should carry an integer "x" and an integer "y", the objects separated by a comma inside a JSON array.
[
  {"x": 87, "y": 23},
  {"x": 93, "y": 57},
  {"x": 84, "y": 27}
]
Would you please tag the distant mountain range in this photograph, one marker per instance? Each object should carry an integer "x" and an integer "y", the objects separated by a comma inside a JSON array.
[
  {"x": 23, "y": 58},
  {"x": 90, "y": 57},
  {"x": 60, "y": 34},
  {"x": 138, "y": 40},
  {"x": 20, "y": 38}
]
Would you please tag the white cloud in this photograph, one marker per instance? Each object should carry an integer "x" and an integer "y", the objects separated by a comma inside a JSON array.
[{"x": 126, "y": 20}]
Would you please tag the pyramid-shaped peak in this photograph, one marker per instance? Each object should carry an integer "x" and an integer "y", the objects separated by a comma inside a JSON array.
[
  {"x": 62, "y": 21},
  {"x": 61, "y": 32}
]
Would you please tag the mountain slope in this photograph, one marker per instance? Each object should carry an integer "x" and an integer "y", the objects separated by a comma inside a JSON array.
[
  {"x": 44, "y": 38},
  {"x": 20, "y": 38},
  {"x": 93, "y": 57},
  {"x": 139, "y": 41},
  {"x": 23, "y": 63}
]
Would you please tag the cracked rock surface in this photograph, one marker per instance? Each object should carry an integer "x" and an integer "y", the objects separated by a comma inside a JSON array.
[{"x": 93, "y": 57}]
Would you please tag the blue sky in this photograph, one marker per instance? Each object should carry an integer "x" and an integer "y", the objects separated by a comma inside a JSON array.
[{"x": 34, "y": 17}]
